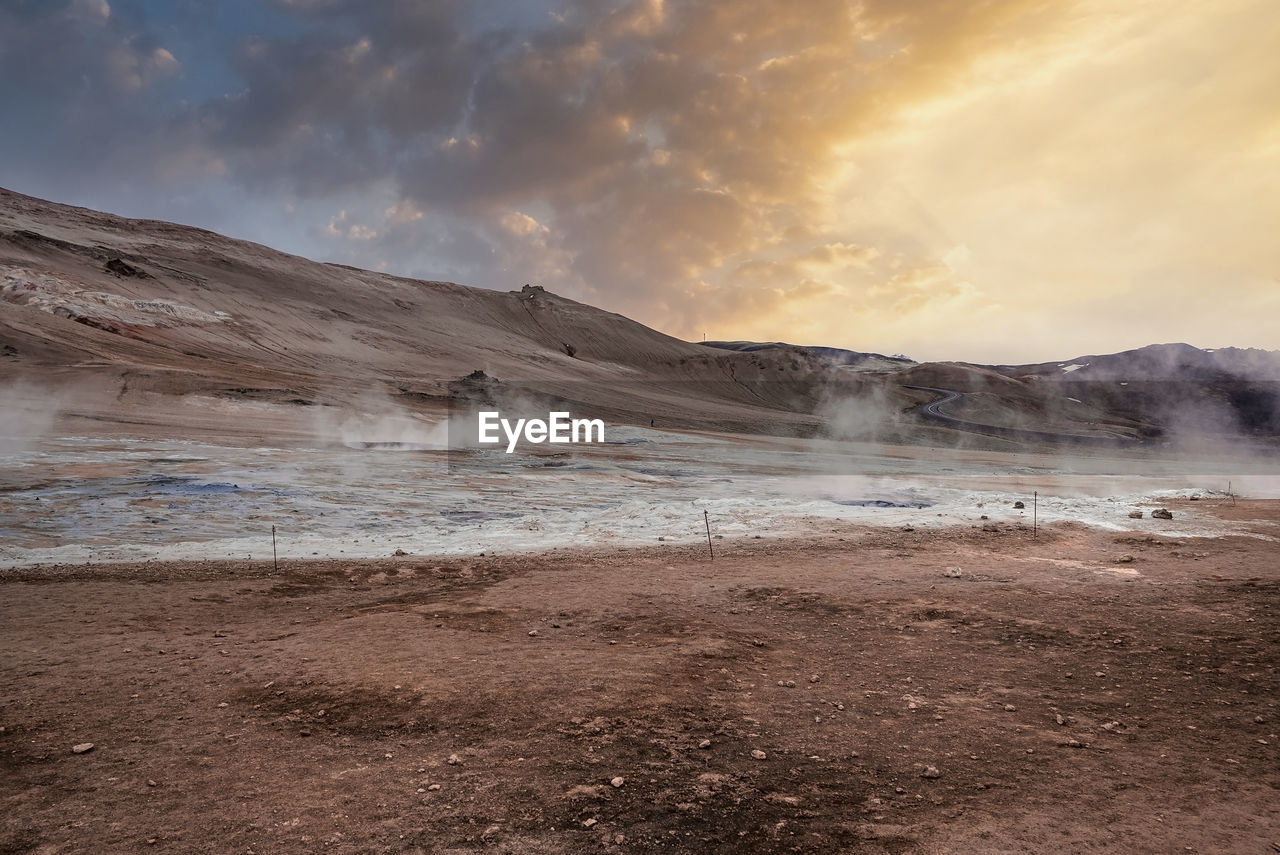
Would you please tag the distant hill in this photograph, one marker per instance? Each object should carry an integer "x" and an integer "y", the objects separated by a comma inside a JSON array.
[
  {"x": 1189, "y": 391},
  {"x": 830, "y": 355},
  {"x": 1158, "y": 362}
]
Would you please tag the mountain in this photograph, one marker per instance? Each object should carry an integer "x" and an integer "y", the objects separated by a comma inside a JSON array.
[
  {"x": 139, "y": 327},
  {"x": 1184, "y": 389},
  {"x": 830, "y": 355},
  {"x": 1179, "y": 362},
  {"x": 151, "y": 324}
]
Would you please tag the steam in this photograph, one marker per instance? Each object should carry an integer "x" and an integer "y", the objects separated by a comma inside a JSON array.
[
  {"x": 27, "y": 415},
  {"x": 374, "y": 421},
  {"x": 862, "y": 413}
]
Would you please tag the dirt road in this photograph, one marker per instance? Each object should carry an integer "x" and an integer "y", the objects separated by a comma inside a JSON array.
[{"x": 1078, "y": 692}]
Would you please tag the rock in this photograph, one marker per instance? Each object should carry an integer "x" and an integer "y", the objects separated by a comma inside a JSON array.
[
  {"x": 120, "y": 267},
  {"x": 1195, "y": 498},
  {"x": 706, "y": 743},
  {"x": 617, "y": 782},
  {"x": 1059, "y": 719},
  {"x": 454, "y": 760},
  {"x": 814, "y": 678},
  {"x": 533, "y": 633},
  {"x": 1125, "y": 559},
  {"x": 1135, "y": 515},
  {"x": 399, "y": 553},
  {"x": 984, "y": 517},
  {"x": 1162, "y": 514},
  {"x": 82, "y": 748},
  {"x": 991, "y": 527},
  {"x": 587, "y": 823},
  {"x": 433, "y": 788},
  {"x": 930, "y": 772},
  {"x": 953, "y": 572},
  {"x": 787, "y": 684},
  {"x": 757, "y": 754},
  {"x": 1010, "y": 708},
  {"x": 1017, "y": 506}
]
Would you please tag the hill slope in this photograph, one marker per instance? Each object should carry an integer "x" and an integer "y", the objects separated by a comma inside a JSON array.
[{"x": 144, "y": 318}]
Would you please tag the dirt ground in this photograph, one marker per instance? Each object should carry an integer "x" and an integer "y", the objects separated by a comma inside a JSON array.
[{"x": 1079, "y": 691}]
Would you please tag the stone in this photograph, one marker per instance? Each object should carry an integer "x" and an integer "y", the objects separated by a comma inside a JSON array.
[
  {"x": 82, "y": 748},
  {"x": 930, "y": 772},
  {"x": 1010, "y": 708},
  {"x": 122, "y": 268},
  {"x": 953, "y": 572},
  {"x": 433, "y": 788},
  {"x": 617, "y": 782},
  {"x": 399, "y": 553},
  {"x": 1162, "y": 514},
  {"x": 1125, "y": 559},
  {"x": 1017, "y": 506},
  {"x": 1135, "y": 515},
  {"x": 454, "y": 760},
  {"x": 587, "y": 823},
  {"x": 757, "y": 754},
  {"x": 706, "y": 743}
]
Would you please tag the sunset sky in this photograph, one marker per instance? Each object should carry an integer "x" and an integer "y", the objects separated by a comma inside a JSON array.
[{"x": 998, "y": 181}]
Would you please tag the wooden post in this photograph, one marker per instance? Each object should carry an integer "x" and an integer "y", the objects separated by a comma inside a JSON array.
[
  {"x": 275, "y": 562},
  {"x": 1035, "y": 514},
  {"x": 707, "y": 520}
]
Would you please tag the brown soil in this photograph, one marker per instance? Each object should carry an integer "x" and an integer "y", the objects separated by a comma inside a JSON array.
[{"x": 1069, "y": 700}]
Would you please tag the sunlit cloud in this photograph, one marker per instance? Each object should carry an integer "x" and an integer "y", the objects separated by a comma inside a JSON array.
[{"x": 1002, "y": 180}]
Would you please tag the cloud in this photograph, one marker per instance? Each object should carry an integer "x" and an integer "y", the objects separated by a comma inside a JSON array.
[{"x": 855, "y": 172}]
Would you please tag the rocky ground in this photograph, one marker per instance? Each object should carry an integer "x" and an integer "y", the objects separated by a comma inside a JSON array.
[{"x": 963, "y": 690}]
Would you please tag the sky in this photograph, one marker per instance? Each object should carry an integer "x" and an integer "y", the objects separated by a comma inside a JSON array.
[{"x": 998, "y": 181}]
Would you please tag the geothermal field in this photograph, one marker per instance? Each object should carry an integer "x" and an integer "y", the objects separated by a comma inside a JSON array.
[
  {"x": 262, "y": 589},
  {"x": 81, "y": 500}
]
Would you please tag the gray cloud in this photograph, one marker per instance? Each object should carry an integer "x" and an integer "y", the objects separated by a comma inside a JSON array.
[{"x": 688, "y": 163}]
